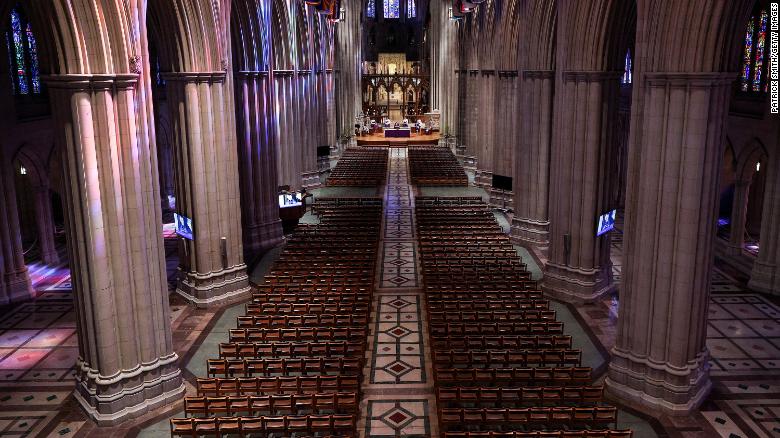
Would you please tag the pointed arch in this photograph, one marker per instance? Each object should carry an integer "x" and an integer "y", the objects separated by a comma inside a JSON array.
[{"x": 754, "y": 152}]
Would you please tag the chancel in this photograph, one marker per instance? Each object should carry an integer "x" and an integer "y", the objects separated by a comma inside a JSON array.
[{"x": 389, "y": 218}]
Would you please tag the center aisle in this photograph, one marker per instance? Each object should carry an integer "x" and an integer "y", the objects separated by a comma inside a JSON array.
[{"x": 398, "y": 391}]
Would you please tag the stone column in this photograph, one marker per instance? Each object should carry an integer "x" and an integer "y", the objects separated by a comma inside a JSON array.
[
  {"x": 257, "y": 163},
  {"x": 738, "y": 217},
  {"x": 14, "y": 277},
  {"x": 660, "y": 359},
  {"x": 307, "y": 95},
  {"x": 578, "y": 183},
  {"x": 766, "y": 268},
  {"x": 127, "y": 365},
  {"x": 483, "y": 135},
  {"x": 212, "y": 269},
  {"x": 348, "y": 67},
  {"x": 45, "y": 225},
  {"x": 531, "y": 222},
  {"x": 288, "y": 136}
]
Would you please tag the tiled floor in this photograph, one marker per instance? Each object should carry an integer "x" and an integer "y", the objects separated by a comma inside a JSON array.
[
  {"x": 399, "y": 351},
  {"x": 396, "y": 418},
  {"x": 399, "y": 398},
  {"x": 399, "y": 266},
  {"x": 38, "y": 346},
  {"x": 743, "y": 338}
]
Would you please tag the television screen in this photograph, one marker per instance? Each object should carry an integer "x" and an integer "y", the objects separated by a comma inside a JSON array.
[
  {"x": 502, "y": 182},
  {"x": 323, "y": 151},
  {"x": 183, "y": 226},
  {"x": 606, "y": 222},
  {"x": 290, "y": 199}
]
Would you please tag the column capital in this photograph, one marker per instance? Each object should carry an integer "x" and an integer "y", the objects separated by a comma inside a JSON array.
[
  {"x": 590, "y": 76},
  {"x": 538, "y": 74},
  {"x": 244, "y": 74},
  {"x": 91, "y": 81},
  {"x": 689, "y": 80},
  {"x": 196, "y": 77},
  {"x": 283, "y": 72}
]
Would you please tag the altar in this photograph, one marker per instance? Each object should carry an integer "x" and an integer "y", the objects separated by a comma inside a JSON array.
[{"x": 398, "y": 132}]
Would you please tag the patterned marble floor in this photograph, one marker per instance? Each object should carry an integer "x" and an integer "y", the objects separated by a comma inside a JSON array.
[
  {"x": 743, "y": 338},
  {"x": 398, "y": 393}
]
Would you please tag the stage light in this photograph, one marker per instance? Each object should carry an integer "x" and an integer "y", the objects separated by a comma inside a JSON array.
[
  {"x": 758, "y": 166},
  {"x": 22, "y": 170}
]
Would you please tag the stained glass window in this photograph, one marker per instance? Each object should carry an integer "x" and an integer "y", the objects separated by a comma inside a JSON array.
[
  {"x": 391, "y": 8},
  {"x": 10, "y": 62},
  {"x": 22, "y": 55},
  {"x": 760, "y": 40},
  {"x": 32, "y": 50},
  {"x": 411, "y": 8},
  {"x": 18, "y": 52},
  {"x": 746, "y": 57},
  {"x": 627, "y": 77},
  {"x": 752, "y": 77},
  {"x": 371, "y": 9}
]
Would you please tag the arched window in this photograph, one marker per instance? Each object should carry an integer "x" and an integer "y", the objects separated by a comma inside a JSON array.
[
  {"x": 22, "y": 54},
  {"x": 391, "y": 8},
  {"x": 753, "y": 74},
  {"x": 371, "y": 9},
  {"x": 628, "y": 76},
  {"x": 411, "y": 8}
]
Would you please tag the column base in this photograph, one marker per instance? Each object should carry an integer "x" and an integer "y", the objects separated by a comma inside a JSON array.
[
  {"x": 51, "y": 258},
  {"x": 765, "y": 278},
  {"x": 483, "y": 178},
  {"x": 575, "y": 285},
  {"x": 112, "y": 400},
  {"x": 734, "y": 250},
  {"x": 499, "y": 199},
  {"x": 530, "y": 232},
  {"x": 259, "y": 238},
  {"x": 215, "y": 288},
  {"x": 311, "y": 180},
  {"x": 663, "y": 389},
  {"x": 18, "y": 286}
]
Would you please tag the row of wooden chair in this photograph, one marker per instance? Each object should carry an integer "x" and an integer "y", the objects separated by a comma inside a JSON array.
[
  {"x": 491, "y": 315},
  {"x": 519, "y": 396},
  {"x": 533, "y": 376},
  {"x": 440, "y": 302},
  {"x": 217, "y": 386},
  {"x": 502, "y": 365},
  {"x": 435, "y": 165},
  {"x": 496, "y": 328},
  {"x": 322, "y": 320},
  {"x": 518, "y": 357},
  {"x": 306, "y": 308},
  {"x": 523, "y": 342},
  {"x": 274, "y": 404},
  {"x": 276, "y": 426},
  {"x": 516, "y": 418},
  {"x": 269, "y": 367},
  {"x": 354, "y": 334},
  {"x": 293, "y": 365},
  {"x": 359, "y": 166},
  {"x": 294, "y": 349},
  {"x": 308, "y": 295}
]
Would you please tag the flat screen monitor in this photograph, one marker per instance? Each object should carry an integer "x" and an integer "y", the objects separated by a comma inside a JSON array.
[
  {"x": 502, "y": 182},
  {"x": 606, "y": 222},
  {"x": 323, "y": 151},
  {"x": 287, "y": 200},
  {"x": 183, "y": 226}
]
